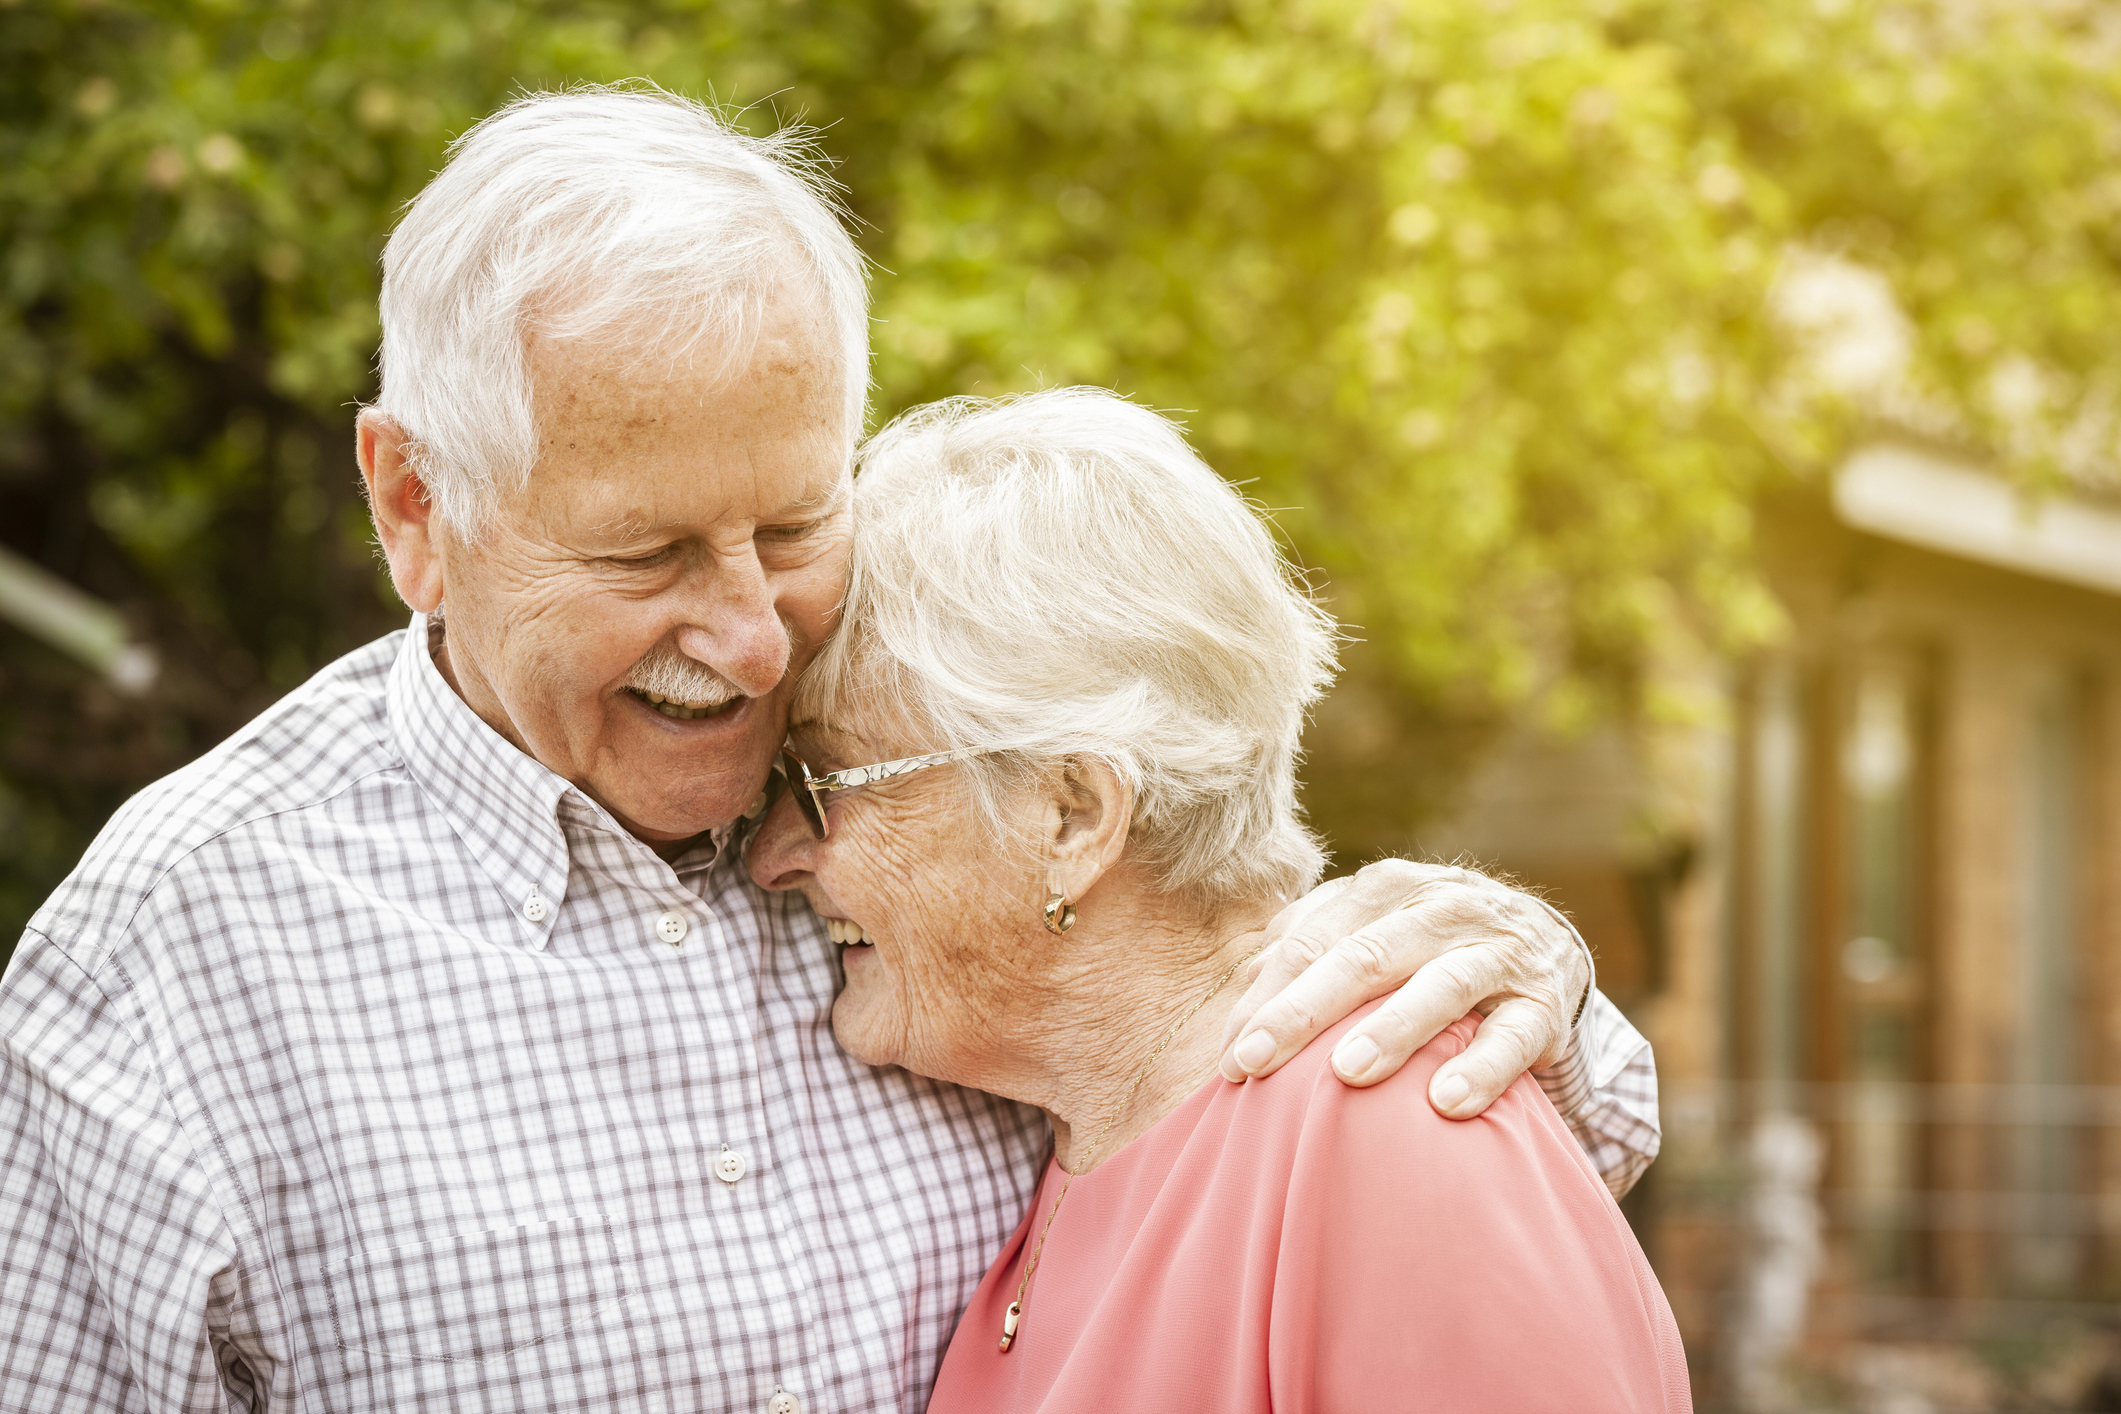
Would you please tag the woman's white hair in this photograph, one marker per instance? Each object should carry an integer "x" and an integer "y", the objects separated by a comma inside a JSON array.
[
  {"x": 1058, "y": 575},
  {"x": 629, "y": 215}
]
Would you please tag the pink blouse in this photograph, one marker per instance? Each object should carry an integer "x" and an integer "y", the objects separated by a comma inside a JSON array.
[{"x": 1294, "y": 1245}]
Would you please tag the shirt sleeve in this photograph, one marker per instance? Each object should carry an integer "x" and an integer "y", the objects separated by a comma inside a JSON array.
[
  {"x": 1605, "y": 1089},
  {"x": 1451, "y": 1266},
  {"x": 111, "y": 1247}
]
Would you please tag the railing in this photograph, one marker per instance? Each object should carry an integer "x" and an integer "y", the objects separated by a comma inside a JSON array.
[{"x": 1878, "y": 1244}]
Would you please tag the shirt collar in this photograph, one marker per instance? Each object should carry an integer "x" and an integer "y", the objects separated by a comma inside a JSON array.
[
  {"x": 498, "y": 800},
  {"x": 511, "y": 812}
]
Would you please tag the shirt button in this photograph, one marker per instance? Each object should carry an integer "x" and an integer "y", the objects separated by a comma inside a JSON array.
[
  {"x": 671, "y": 927},
  {"x": 729, "y": 1165},
  {"x": 784, "y": 1403},
  {"x": 536, "y": 909}
]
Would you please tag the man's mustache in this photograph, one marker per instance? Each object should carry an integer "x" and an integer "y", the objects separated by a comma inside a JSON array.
[{"x": 669, "y": 674}]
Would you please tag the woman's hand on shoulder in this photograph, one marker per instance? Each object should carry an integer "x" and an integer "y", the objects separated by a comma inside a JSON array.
[{"x": 1443, "y": 941}]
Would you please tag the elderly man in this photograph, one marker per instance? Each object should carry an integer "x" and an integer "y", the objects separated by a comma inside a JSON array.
[{"x": 425, "y": 1045}]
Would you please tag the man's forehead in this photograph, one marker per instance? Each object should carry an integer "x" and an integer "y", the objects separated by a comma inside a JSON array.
[{"x": 626, "y": 512}]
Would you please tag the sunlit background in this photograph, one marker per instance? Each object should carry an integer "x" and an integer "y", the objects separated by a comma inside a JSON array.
[{"x": 1703, "y": 414}]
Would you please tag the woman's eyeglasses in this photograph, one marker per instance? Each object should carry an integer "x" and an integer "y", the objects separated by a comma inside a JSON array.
[{"x": 810, "y": 790}]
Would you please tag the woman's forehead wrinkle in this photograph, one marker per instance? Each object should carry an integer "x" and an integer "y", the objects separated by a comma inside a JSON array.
[{"x": 825, "y": 737}]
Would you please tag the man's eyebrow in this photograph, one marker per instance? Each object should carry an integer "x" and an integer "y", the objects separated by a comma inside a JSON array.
[
  {"x": 825, "y": 502},
  {"x": 628, "y": 525},
  {"x": 631, "y": 524}
]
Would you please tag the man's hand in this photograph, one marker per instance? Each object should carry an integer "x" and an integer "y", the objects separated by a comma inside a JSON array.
[{"x": 1467, "y": 942}]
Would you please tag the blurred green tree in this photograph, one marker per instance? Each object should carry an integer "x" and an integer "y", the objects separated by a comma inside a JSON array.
[{"x": 1476, "y": 295}]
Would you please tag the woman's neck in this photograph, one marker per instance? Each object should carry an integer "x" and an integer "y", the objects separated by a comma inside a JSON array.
[{"x": 1101, "y": 1055}]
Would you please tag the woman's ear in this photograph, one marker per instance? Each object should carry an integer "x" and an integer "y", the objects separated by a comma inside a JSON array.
[{"x": 1088, "y": 814}]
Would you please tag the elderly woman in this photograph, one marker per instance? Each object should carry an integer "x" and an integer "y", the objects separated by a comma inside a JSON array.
[{"x": 1044, "y": 791}]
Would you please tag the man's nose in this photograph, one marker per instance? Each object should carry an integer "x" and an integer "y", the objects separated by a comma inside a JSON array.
[
  {"x": 779, "y": 855},
  {"x": 736, "y": 629}
]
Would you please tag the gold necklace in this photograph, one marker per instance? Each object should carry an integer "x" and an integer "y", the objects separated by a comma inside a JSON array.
[{"x": 1015, "y": 1315}]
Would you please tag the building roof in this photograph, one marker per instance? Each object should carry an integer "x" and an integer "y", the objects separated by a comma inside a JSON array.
[{"x": 1920, "y": 498}]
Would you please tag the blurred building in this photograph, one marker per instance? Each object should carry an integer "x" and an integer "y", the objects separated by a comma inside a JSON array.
[{"x": 1867, "y": 903}]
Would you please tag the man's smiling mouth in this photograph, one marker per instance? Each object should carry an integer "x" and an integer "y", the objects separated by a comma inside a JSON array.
[
  {"x": 683, "y": 711},
  {"x": 843, "y": 930}
]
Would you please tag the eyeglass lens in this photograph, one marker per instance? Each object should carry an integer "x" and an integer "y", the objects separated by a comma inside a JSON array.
[{"x": 805, "y": 798}]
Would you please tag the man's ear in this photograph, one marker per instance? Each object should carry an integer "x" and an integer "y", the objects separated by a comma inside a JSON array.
[
  {"x": 1089, "y": 811},
  {"x": 404, "y": 514}
]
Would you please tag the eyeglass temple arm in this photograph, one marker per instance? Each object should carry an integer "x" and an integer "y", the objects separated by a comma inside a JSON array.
[{"x": 885, "y": 770}]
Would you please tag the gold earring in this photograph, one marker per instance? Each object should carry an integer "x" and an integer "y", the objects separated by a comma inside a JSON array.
[{"x": 1060, "y": 914}]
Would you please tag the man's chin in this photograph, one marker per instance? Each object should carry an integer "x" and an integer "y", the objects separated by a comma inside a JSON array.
[
  {"x": 666, "y": 786},
  {"x": 664, "y": 816}
]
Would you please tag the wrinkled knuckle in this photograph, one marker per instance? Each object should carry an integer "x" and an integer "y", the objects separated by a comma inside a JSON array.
[
  {"x": 1535, "y": 1031},
  {"x": 1463, "y": 964},
  {"x": 1460, "y": 963},
  {"x": 1465, "y": 973},
  {"x": 1546, "y": 999},
  {"x": 1368, "y": 958},
  {"x": 1304, "y": 948}
]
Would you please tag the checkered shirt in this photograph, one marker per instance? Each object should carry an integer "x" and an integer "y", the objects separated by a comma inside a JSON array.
[
  {"x": 365, "y": 1064},
  {"x": 1606, "y": 1091}
]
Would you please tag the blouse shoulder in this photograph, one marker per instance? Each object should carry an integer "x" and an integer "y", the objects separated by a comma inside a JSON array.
[{"x": 1406, "y": 1236}]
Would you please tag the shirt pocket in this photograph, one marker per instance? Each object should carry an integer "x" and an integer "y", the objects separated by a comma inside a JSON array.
[{"x": 478, "y": 1296}]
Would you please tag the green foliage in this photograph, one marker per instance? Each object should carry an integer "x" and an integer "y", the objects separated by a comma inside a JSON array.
[{"x": 1473, "y": 293}]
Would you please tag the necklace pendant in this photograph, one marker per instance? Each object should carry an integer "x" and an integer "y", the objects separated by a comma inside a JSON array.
[{"x": 1016, "y": 1313}]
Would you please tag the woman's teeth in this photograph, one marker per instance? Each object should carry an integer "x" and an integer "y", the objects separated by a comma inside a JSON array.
[
  {"x": 843, "y": 930},
  {"x": 682, "y": 711}
]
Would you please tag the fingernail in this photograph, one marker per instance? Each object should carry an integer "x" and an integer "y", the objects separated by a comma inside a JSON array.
[
  {"x": 1450, "y": 1092},
  {"x": 1255, "y": 1051},
  {"x": 1355, "y": 1057}
]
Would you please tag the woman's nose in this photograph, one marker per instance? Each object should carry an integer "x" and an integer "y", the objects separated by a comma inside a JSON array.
[{"x": 779, "y": 857}]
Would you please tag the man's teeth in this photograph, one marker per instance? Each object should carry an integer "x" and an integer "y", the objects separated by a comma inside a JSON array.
[
  {"x": 843, "y": 930},
  {"x": 681, "y": 711}
]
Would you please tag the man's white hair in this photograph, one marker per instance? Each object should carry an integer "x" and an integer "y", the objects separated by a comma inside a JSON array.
[
  {"x": 627, "y": 215},
  {"x": 1058, "y": 575}
]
